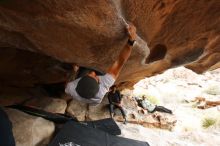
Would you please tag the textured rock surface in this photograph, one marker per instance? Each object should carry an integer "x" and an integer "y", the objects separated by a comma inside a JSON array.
[
  {"x": 49, "y": 104},
  {"x": 77, "y": 109},
  {"x": 29, "y": 130},
  {"x": 37, "y": 36},
  {"x": 134, "y": 114},
  {"x": 84, "y": 112}
]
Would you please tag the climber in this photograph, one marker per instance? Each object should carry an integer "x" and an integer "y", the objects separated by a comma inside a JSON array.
[
  {"x": 114, "y": 98},
  {"x": 92, "y": 87}
]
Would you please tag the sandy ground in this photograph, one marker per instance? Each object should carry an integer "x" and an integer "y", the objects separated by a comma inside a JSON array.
[{"x": 172, "y": 89}]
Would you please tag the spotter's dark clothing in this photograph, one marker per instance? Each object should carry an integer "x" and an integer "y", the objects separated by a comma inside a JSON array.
[
  {"x": 112, "y": 107},
  {"x": 6, "y": 135},
  {"x": 114, "y": 97},
  {"x": 162, "y": 109}
]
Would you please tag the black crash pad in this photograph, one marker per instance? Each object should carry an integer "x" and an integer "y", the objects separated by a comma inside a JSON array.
[{"x": 76, "y": 134}]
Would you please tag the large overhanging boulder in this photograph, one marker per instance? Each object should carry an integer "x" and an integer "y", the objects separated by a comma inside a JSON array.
[{"x": 37, "y": 38}]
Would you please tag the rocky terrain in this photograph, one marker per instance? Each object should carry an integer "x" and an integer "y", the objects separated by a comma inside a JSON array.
[
  {"x": 40, "y": 131},
  {"x": 175, "y": 89},
  {"x": 38, "y": 39}
]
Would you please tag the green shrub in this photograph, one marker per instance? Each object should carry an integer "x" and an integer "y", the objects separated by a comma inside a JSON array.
[
  {"x": 207, "y": 122},
  {"x": 152, "y": 99}
]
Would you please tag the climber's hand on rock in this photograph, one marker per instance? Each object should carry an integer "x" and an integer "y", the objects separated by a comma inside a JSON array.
[
  {"x": 119, "y": 105},
  {"x": 132, "y": 32},
  {"x": 75, "y": 67}
]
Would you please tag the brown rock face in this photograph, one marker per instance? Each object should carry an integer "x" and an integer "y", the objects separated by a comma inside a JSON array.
[{"x": 37, "y": 38}]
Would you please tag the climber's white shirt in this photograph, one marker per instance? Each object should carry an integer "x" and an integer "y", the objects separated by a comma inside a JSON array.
[{"x": 105, "y": 82}]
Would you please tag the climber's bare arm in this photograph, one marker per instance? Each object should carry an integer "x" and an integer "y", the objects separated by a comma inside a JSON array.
[
  {"x": 115, "y": 69},
  {"x": 118, "y": 64}
]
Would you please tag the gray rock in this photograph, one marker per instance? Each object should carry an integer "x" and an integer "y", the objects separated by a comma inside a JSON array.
[
  {"x": 84, "y": 111},
  {"x": 77, "y": 109},
  {"x": 100, "y": 111},
  {"x": 30, "y": 130},
  {"x": 54, "y": 105}
]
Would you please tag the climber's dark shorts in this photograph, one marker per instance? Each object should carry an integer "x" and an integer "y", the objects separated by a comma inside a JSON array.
[{"x": 6, "y": 135}]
